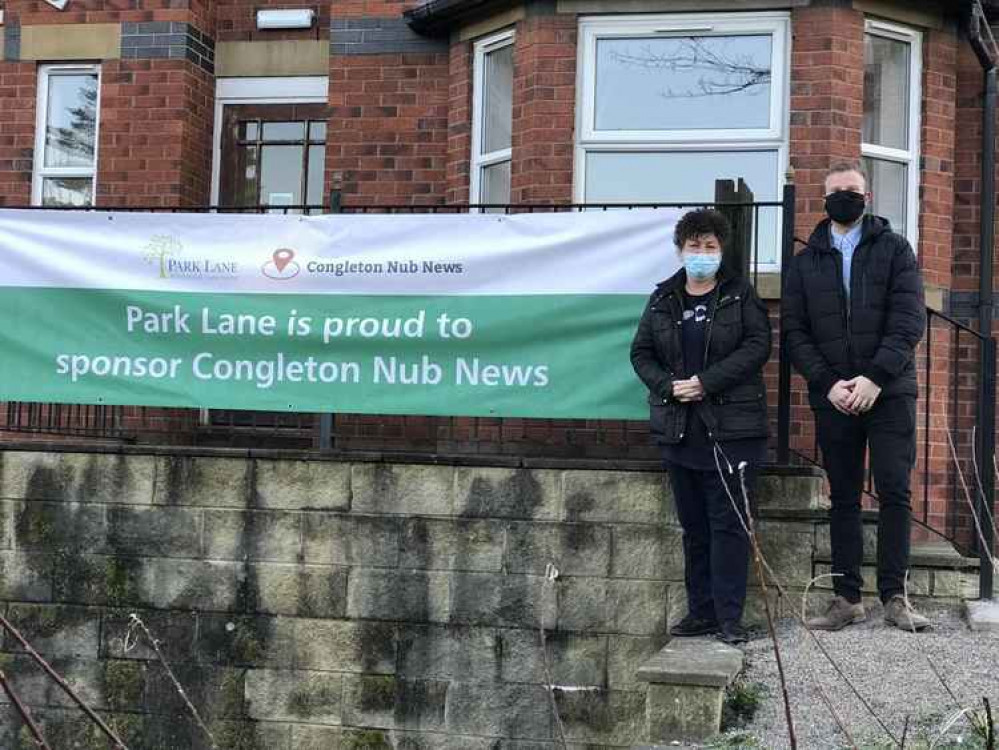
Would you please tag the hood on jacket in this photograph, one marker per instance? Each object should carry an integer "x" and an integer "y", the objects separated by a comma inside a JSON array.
[{"x": 873, "y": 227}]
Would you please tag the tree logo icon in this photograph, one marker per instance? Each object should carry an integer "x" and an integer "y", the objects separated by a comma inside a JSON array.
[{"x": 161, "y": 247}]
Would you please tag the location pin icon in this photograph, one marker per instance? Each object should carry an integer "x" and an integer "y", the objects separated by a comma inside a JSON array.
[{"x": 282, "y": 258}]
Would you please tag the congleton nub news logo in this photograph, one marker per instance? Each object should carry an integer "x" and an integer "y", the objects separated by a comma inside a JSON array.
[{"x": 282, "y": 265}]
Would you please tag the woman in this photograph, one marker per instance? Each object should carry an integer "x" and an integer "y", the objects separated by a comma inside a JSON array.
[{"x": 700, "y": 349}]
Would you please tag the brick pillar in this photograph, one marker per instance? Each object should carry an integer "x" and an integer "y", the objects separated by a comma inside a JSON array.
[
  {"x": 936, "y": 229},
  {"x": 931, "y": 485},
  {"x": 827, "y": 100},
  {"x": 827, "y": 105},
  {"x": 544, "y": 83},
  {"x": 17, "y": 131},
  {"x": 967, "y": 177},
  {"x": 155, "y": 133},
  {"x": 388, "y": 133},
  {"x": 459, "y": 123}
]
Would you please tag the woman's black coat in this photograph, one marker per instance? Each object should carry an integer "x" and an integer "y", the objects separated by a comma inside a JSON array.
[{"x": 737, "y": 341}]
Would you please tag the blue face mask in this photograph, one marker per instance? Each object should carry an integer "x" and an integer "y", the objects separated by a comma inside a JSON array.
[{"x": 701, "y": 266}]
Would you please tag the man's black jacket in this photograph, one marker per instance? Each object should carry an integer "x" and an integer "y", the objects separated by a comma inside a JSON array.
[
  {"x": 873, "y": 333},
  {"x": 738, "y": 345}
]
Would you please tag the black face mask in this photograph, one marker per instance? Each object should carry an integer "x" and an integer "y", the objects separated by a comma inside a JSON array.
[{"x": 845, "y": 206}]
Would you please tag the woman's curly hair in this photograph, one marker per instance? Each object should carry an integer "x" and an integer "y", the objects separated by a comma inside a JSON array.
[{"x": 701, "y": 222}]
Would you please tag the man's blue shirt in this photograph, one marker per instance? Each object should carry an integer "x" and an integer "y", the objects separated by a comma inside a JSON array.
[{"x": 846, "y": 244}]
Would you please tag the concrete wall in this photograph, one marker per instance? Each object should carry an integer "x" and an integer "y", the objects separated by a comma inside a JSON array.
[{"x": 314, "y": 604}]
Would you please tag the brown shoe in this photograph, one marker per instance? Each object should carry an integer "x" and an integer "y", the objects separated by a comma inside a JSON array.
[
  {"x": 899, "y": 612},
  {"x": 839, "y": 614}
]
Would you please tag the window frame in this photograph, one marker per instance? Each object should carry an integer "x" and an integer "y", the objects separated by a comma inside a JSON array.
[
  {"x": 478, "y": 162},
  {"x": 772, "y": 138},
  {"x": 39, "y": 171},
  {"x": 911, "y": 156},
  {"x": 591, "y": 30},
  {"x": 277, "y": 90}
]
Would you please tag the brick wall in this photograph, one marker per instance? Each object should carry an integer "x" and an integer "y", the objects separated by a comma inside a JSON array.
[
  {"x": 389, "y": 94},
  {"x": 156, "y": 121},
  {"x": 543, "y": 110},
  {"x": 17, "y": 131},
  {"x": 459, "y": 123},
  {"x": 827, "y": 100},
  {"x": 939, "y": 106}
]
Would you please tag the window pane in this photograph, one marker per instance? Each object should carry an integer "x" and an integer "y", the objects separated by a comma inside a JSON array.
[
  {"x": 67, "y": 191},
  {"x": 317, "y": 131},
  {"x": 284, "y": 131},
  {"x": 886, "y": 92},
  {"x": 683, "y": 83},
  {"x": 680, "y": 177},
  {"x": 496, "y": 183},
  {"x": 888, "y": 181},
  {"x": 248, "y": 131},
  {"x": 317, "y": 161},
  {"x": 688, "y": 177},
  {"x": 497, "y": 99},
  {"x": 281, "y": 175},
  {"x": 71, "y": 120}
]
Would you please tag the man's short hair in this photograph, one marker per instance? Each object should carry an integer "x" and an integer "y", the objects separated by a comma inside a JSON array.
[
  {"x": 699, "y": 223},
  {"x": 847, "y": 166}
]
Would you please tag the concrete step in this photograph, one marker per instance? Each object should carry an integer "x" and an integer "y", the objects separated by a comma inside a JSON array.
[
  {"x": 934, "y": 555},
  {"x": 687, "y": 681}
]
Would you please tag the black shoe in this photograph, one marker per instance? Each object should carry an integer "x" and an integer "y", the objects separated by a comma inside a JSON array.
[
  {"x": 691, "y": 626},
  {"x": 732, "y": 633}
]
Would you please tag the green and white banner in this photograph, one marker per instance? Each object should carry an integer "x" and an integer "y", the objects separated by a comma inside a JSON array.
[{"x": 483, "y": 315}]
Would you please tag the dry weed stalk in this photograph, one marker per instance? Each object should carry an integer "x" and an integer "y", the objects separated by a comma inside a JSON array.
[
  {"x": 551, "y": 575},
  {"x": 136, "y": 623},
  {"x": 971, "y": 504},
  {"x": 758, "y": 562},
  {"x": 719, "y": 455}
]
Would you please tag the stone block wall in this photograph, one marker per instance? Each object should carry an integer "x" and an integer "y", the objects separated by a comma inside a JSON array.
[{"x": 309, "y": 604}]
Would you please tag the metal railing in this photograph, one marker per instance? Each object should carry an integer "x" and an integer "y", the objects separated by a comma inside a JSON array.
[
  {"x": 954, "y": 480},
  {"x": 756, "y": 246}
]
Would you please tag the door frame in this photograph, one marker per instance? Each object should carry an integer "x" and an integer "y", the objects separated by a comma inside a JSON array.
[{"x": 278, "y": 90}]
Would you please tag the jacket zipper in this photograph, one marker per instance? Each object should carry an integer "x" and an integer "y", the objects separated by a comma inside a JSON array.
[
  {"x": 715, "y": 305},
  {"x": 672, "y": 301},
  {"x": 845, "y": 302}
]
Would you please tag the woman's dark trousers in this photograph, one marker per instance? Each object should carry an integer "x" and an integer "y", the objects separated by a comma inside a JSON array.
[{"x": 715, "y": 544}]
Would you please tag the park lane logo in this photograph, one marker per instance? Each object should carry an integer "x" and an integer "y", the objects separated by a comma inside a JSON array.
[
  {"x": 164, "y": 251},
  {"x": 282, "y": 265}
]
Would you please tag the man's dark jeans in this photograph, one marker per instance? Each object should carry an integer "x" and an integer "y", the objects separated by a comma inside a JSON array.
[
  {"x": 715, "y": 544},
  {"x": 889, "y": 428}
]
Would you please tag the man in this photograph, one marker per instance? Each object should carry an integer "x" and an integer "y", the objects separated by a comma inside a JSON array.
[{"x": 853, "y": 313}]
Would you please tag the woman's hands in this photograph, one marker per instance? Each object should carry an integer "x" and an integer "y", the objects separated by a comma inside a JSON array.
[{"x": 688, "y": 390}]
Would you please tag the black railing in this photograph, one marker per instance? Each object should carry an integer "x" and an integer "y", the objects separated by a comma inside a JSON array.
[
  {"x": 953, "y": 495},
  {"x": 757, "y": 246}
]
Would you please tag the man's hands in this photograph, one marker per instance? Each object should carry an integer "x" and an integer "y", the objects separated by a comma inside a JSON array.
[
  {"x": 864, "y": 393},
  {"x": 854, "y": 396},
  {"x": 688, "y": 390}
]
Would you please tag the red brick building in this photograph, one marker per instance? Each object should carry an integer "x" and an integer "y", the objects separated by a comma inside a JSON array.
[{"x": 186, "y": 103}]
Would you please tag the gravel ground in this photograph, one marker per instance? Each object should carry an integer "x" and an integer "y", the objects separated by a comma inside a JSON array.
[{"x": 891, "y": 669}]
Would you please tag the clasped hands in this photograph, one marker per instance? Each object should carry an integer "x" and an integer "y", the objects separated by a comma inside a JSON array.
[
  {"x": 854, "y": 396},
  {"x": 688, "y": 390}
]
